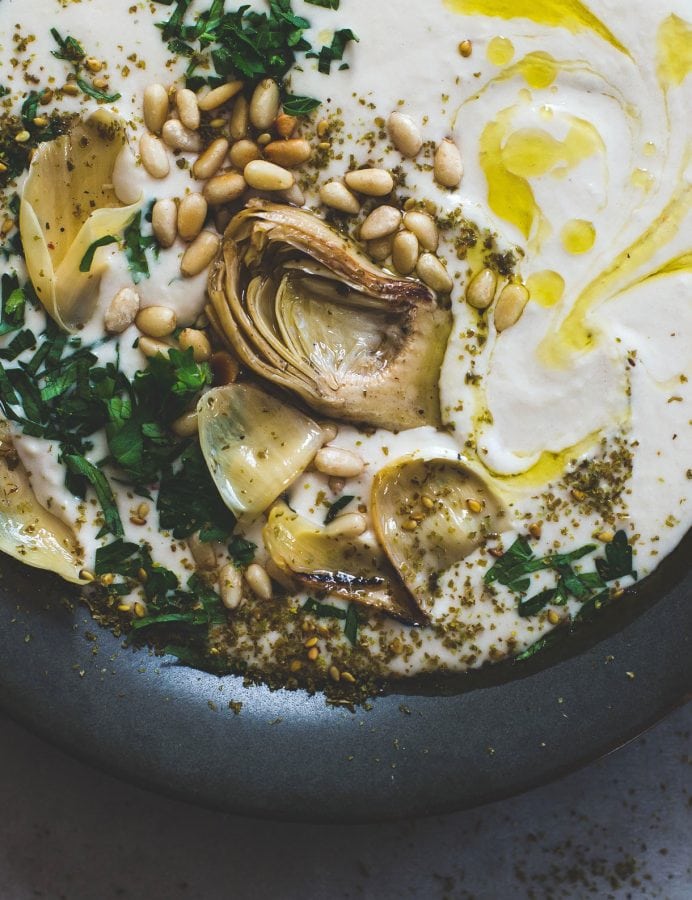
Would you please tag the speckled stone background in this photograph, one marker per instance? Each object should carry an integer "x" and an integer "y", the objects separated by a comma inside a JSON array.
[{"x": 620, "y": 828}]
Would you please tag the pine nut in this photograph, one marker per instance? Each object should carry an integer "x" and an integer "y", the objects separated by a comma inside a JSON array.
[
  {"x": 265, "y": 176},
  {"x": 209, "y": 162},
  {"x": 285, "y": 125},
  {"x": 220, "y": 95},
  {"x": 240, "y": 118},
  {"x": 121, "y": 311},
  {"x": 350, "y": 525},
  {"x": 405, "y": 252},
  {"x": 382, "y": 221},
  {"x": 465, "y": 48},
  {"x": 337, "y": 485},
  {"x": 338, "y": 462},
  {"x": 431, "y": 271},
  {"x": 191, "y": 338},
  {"x": 191, "y": 215},
  {"x": 199, "y": 254},
  {"x": 244, "y": 152},
  {"x": 424, "y": 228},
  {"x": 178, "y": 137},
  {"x": 224, "y": 188},
  {"x": 230, "y": 586},
  {"x": 336, "y": 195},
  {"x": 188, "y": 110},
  {"x": 372, "y": 182},
  {"x": 288, "y": 153},
  {"x": 164, "y": 217},
  {"x": 258, "y": 581},
  {"x": 329, "y": 433},
  {"x": 150, "y": 347},
  {"x": 481, "y": 290},
  {"x": 264, "y": 139},
  {"x": 156, "y": 321},
  {"x": 155, "y": 107},
  {"x": 293, "y": 195},
  {"x": 404, "y": 134},
  {"x": 448, "y": 168},
  {"x": 154, "y": 156},
  {"x": 264, "y": 105},
  {"x": 510, "y": 305},
  {"x": 186, "y": 425},
  {"x": 202, "y": 552},
  {"x": 381, "y": 248}
]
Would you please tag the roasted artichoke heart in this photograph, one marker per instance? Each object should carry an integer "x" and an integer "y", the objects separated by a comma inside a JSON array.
[{"x": 303, "y": 308}]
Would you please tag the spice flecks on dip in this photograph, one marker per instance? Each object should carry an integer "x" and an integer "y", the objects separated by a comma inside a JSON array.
[{"x": 341, "y": 341}]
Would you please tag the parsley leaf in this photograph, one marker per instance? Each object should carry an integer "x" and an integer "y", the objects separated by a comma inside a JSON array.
[
  {"x": 323, "y": 610},
  {"x": 81, "y": 466},
  {"x": 351, "y": 624},
  {"x": 13, "y": 304},
  {"x": 88, "y": 258},
  {"x": 136, "y": 246},
  {"x": 242, "y": 551},
  {"x": 337, "y": 507}
]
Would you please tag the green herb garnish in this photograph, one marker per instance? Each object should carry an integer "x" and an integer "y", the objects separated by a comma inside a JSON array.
[
  {"x": 242, "y": 552},
  {"x": 337, "y": 506},
  {"x": 136, "y": 246},
  {"x": 81, "y": 467},
  {"x": 88, "y": 258}
]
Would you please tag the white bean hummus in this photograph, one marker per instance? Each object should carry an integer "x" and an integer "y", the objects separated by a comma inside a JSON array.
[{"x": 388, "y": 382}]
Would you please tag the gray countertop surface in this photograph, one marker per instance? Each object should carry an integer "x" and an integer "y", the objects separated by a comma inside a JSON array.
[{"x": 620, "y": 828}]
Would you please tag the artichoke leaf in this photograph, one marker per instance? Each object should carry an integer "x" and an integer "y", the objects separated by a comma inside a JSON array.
[
  {"x": 28, "y": 531},
  {"x": 430, "y": 513},
  {"x": 305, "y": 309},
  {"x": 254, "y": 445},
  {"x": 347, "y": 568},
  {"x": 68, "y": 203}
]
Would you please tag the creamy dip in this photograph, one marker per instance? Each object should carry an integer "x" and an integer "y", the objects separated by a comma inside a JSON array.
[{"x": 572, "y": 122}]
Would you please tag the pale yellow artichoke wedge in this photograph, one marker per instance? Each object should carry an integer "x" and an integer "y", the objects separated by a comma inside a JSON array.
[
  {"x": 68, "y": 203},
  {"x": 305, "y": 309},
  {"x": 28, "y": 531}
]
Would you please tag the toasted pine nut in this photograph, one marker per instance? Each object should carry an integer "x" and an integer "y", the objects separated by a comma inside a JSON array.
[
  {"x": 448, "y": 168},
  {"x": 164, "y": 217},
  {"x": 224, "y": 188},
  {"x": 481, "y": 290},
  {"x": 202, "y": 552},
  {"x": 209, "y": 162},
  {"x": 220, "y": 95},
  {"x": 199, "y": 254},
  {"x": 265, "y": 176},
  {"x": 240, "y": 118},
  {"x": 381, "y": 248},
  {"x": 191, "y": 338},
  {"x": 121, "y": 311},
  {"x": 151, "y": 347},
  {"x": 225, "y": 368},
  {"x": 405, "y": 252},
  {"x": 404, "y": 134},
  {"x": 372, "y": 182},
  {"x": 337, "y": 196},
  {"x": 329, "y": 433},
  {"x": 424, "y": 228},
  {"x": 293, "y": 195},
  {"x": 230, "y": 586},
  {"x": 382, "y": 221},
  {"x": 264, "y": 139},
  {"x": 288, "y": 153},
  {"x": 264, "y": 105},
  {"x": 191, "y": 215},
  {"x": 285, "y": 125},
  {"x": 338, "y": 462},
  {"x": 178, "y": 137},
  {"x": 243, "y": 152},
  {"x": 350, "y": 525},
  {"x": 510, "y": 305},
  {"x": 431, "y": 271},
  {"x": 154, "y": 156},
  {"x": 465, "y": 48},
  {"x": 156, "y": 321},
  {"x": 258, "y": 581},
  {"x": 155, "y": 107},
  {"x": 186, "y": 425},
  {"x": 188, "y": 110}
]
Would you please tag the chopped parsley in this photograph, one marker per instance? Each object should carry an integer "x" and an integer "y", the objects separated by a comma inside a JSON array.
[
  {"x": 328, "y": 611},
  {"x": 337, "y": 506},
  {"x": 242, "y": 551},
  {"x": 88, "y": 258},
  {"x": 136, "y": 247},
  {"x": 71, "y": 50}
]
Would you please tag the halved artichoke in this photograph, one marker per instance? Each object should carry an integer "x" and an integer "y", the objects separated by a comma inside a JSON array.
[
  {"x": 68, "y": 204},
  {"x": 429, "y": 513},
  {"x": 302, "y": 307},
  {"x": 348, "y": 568},
  {"x": 28, "y": 531},
  {"x": 254, "y": 446}
]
